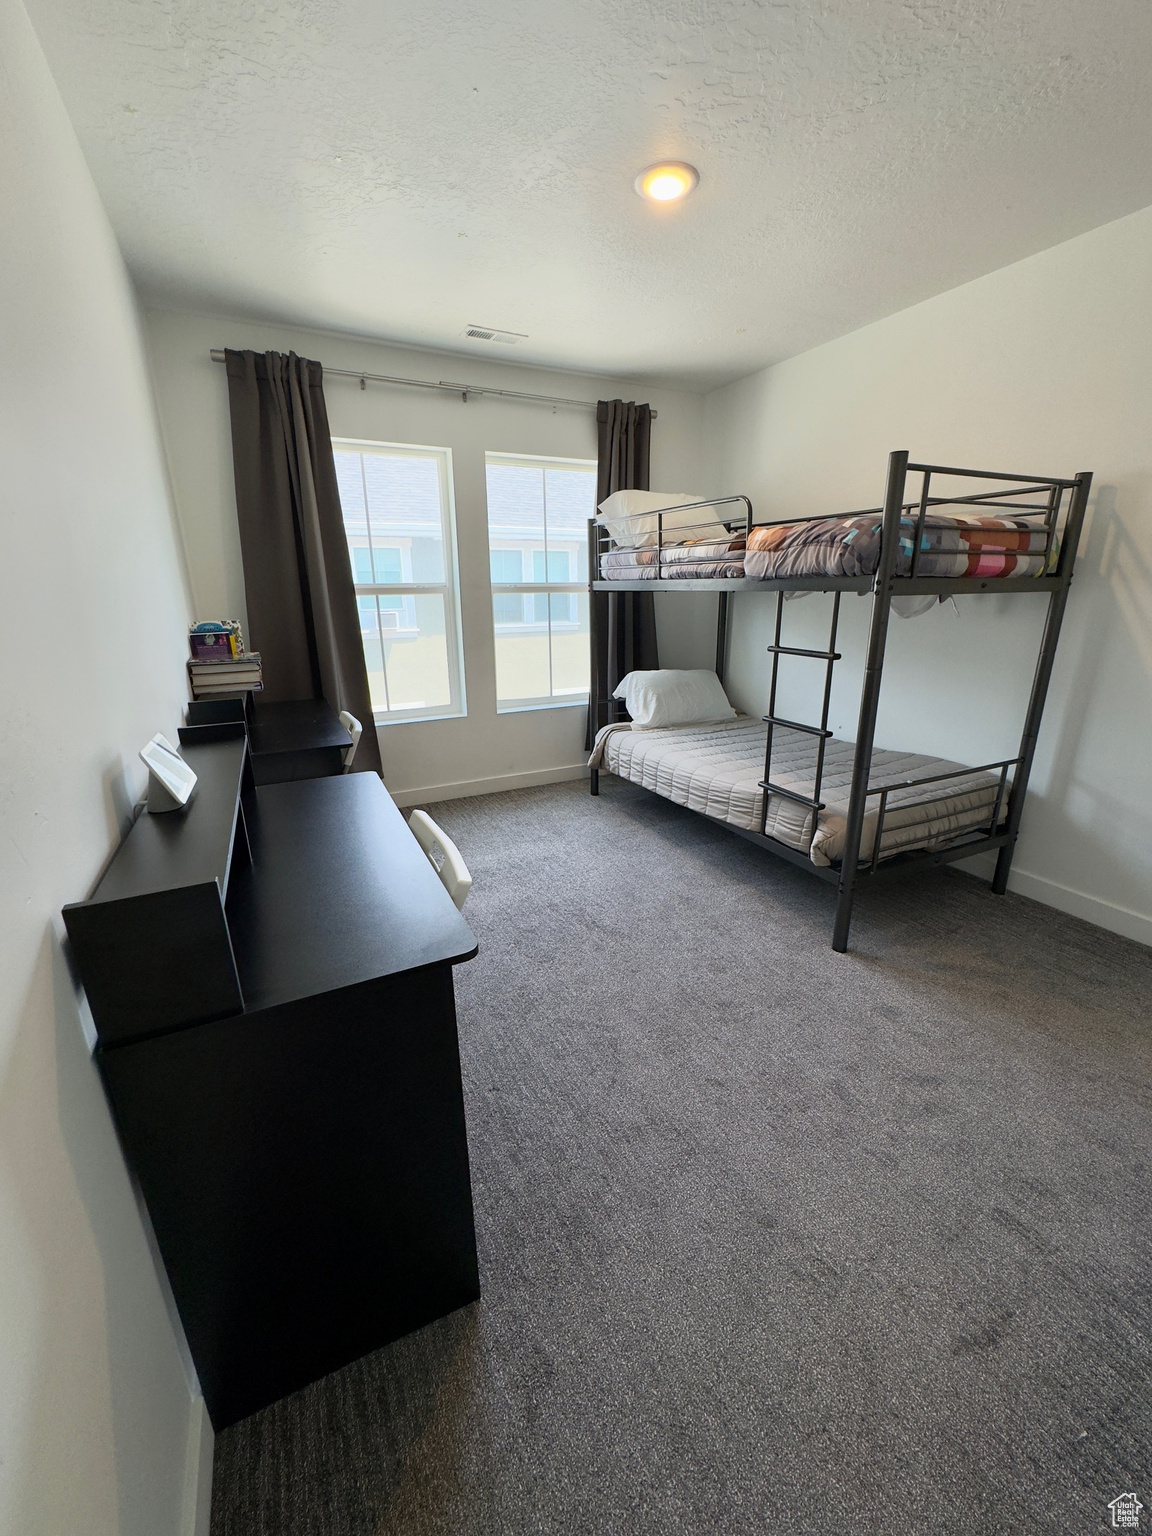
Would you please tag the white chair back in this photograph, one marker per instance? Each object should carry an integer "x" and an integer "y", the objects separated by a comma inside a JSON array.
[
  {"x": 355, "y": 730},
  {"x": 443, "y": 855}
]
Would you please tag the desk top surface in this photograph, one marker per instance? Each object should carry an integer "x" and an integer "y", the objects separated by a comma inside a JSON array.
[
  {"x": 294, "y": 725},
  {"x": 339, "y": 892}
]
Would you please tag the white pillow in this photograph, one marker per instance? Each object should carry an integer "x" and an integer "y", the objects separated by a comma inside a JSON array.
[
  {"x": 667, "y": 697},
  {"x": 630, "y": 517}
]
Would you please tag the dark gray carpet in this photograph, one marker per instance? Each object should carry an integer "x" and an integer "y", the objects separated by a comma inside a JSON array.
[{"x": 771, "y": 1238}]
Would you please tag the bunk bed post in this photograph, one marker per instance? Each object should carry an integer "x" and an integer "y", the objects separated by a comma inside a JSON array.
[
  {"x": 870, "y": 693},
  {"x": 721, "y": 633},
  {"x": 1056, "y": 605},
  {"x": 593, "y": 658}
]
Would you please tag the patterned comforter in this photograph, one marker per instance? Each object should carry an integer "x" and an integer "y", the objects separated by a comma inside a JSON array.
[
  {"x": 949, "y": 546},
  {"x": 964, "y": 545}
]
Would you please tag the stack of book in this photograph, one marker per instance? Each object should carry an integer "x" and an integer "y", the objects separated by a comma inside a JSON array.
[{"x": 240, "y": 674}]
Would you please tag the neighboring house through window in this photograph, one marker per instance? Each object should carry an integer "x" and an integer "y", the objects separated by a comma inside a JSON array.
[
  {"x": 538, "y": 511},
  {"x": 398, "y": 515}
]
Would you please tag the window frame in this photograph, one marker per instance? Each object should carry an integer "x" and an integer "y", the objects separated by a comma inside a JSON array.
[
  {"x": 527, "y": 588},
  {"x": 448, "y": 589}
]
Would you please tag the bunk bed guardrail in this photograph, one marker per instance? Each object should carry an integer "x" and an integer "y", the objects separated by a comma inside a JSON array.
[
  {"x": 693, "y": 545},
  {"x": 938, "y": 778}
]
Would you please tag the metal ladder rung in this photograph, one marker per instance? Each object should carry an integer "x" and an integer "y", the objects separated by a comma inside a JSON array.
[
  {"x": 792, "y": 650},
  {"x": 790, "y": 794},
  {"x": 795, "y": 725}
]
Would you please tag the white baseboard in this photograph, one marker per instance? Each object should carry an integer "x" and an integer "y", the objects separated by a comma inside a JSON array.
[
  {"x": 493, "y": 786},
  {"x": 197, "y": 1512},
  {"x": 1093, "y": 909}
]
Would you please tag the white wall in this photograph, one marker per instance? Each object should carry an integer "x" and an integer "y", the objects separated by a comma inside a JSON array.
[
  {"x": 96, "y": 1419},
  {"x": 428, "y": 758},
  {"x": 1043, "y": 367}
]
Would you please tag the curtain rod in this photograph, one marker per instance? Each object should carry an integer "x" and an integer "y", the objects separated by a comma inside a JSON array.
[{"x": 463, "y": 390}]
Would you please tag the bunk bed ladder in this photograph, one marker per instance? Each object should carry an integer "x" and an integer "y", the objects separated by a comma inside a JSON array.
[{"x": 830, "y": 657}]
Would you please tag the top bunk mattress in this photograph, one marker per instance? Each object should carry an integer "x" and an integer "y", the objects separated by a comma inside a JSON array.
[
  {"x": 716, "y": 769},
  {"x": 964, "y": 546}
]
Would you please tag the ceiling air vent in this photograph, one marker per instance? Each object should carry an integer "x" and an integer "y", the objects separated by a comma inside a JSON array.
[{"x": 486, "y": 333}]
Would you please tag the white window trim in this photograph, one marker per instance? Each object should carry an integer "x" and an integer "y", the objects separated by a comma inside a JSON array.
[
  {"x": 449, "y": 589},
  {"x": 551, "y": 700}
]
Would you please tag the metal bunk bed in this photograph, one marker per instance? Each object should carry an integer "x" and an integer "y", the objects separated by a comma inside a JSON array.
[{"x": 1057, "y": 506}]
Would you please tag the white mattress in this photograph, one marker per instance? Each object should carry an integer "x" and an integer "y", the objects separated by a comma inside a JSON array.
[{"x": 716, "y": 770}]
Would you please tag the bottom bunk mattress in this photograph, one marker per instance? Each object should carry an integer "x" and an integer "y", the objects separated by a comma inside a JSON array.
[{"x": 716, "y": 769}]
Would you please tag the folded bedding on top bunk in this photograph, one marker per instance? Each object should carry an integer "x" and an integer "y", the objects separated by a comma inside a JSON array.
[
  {"x": 701, "y": 559},
  {"x": 960, "y": 546},
  {"x": 716, "y": 769},
  {"x": 963, "y": 545}
]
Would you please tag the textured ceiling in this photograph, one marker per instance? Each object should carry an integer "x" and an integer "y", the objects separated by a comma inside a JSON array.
[{"x": 403, "y": 169}]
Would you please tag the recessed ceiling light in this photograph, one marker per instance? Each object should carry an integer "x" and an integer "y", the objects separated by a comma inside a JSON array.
[{"x": 667, "y": 182}]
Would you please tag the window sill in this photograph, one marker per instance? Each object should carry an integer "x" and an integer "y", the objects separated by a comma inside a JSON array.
[
  {"x": 580, "y": 702},
  {"x": 453, "y": 714}
]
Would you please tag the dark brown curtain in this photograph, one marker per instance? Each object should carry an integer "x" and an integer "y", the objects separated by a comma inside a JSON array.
[
  {"x": 623, "y": 624},
  {"x": 302, "y": 614}
]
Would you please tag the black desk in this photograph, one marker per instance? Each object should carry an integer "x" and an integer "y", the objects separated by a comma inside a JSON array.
[
  {"x": 302, "y": 1149},
  {"x": 295, "y": 739}
]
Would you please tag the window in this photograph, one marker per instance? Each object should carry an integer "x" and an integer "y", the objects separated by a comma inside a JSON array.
[
  {"x": 538, "y": 511},
  {"x": 397, "y": 506}
]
